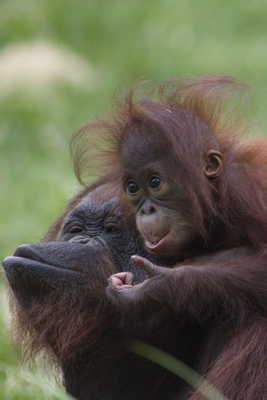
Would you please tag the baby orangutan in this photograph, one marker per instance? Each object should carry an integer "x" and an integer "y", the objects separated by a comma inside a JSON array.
[{"x": 199, "y": 196}]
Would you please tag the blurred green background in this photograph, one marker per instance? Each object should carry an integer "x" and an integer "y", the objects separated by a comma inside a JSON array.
[{"x": 61, "y": 63}]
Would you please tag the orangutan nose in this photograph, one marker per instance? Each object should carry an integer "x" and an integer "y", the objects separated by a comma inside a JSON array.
[{"x": 148, "y": 208}]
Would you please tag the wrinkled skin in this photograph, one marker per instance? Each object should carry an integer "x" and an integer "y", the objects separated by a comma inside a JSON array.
[{"x": 93, "y": 230}]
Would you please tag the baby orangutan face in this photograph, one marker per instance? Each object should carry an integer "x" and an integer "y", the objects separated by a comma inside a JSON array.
[
  {"x": 164, "y": 229},
  {"x": 161, "y": 205}
]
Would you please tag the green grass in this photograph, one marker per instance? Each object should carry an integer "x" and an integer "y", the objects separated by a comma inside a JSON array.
[{"x": 125, "y": 41}]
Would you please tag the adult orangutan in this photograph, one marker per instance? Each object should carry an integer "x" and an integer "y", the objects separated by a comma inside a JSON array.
[
  {"x": 199, "y": 196},
  {"x": 61, "y": 308}
]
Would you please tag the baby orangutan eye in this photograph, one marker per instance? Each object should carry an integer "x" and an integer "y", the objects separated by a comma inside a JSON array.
[
  {"x": 154, "y": 182},
  {"x": 132, "y": 188}
]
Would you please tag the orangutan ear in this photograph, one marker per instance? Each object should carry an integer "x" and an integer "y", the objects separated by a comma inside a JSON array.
[{"x": 214, "y": 164}]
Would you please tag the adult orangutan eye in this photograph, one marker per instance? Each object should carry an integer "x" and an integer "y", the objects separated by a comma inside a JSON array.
[
  {"x": 132, "y": 187},
  {"x": 74, "y": 228},
  {"x": 154, "y": 182}
]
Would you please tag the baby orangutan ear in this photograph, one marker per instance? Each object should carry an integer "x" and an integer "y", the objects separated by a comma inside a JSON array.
[{"x": 214, "y": 164}]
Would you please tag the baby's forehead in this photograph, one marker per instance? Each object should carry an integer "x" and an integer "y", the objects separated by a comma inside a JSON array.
[{"x": 146, "y": 145}]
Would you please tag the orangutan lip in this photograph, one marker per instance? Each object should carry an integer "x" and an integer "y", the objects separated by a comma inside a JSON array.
[
  {"x": 156, "y": 246},
  {"x": 15, "y": 262}
]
